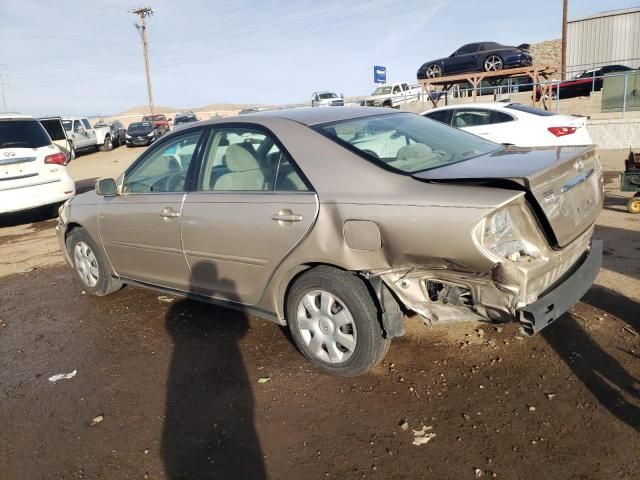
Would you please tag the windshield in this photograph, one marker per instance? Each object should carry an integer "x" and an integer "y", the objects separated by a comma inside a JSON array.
[
  {"x": 23, "y": 134},
  {"x": 406, "y": 142},
  {"x": 140, "y": 127},
  {"x": 382, "y": 91},
  {"x": 185, "y": 119},
  {"x": 67, "y": 125},
  {"x": 150, "y": 118},
  {"x": 325, "y": 96}
]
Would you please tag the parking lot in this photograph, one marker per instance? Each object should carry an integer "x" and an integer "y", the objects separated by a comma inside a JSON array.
[{"x": 170, "y": 388}]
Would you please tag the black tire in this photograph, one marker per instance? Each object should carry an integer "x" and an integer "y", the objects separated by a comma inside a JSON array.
[
  {"x": 350, "y": 292},
  {"x": 493, "y": 63},
  {"x": 107, "y": 146},
  {"x": 633, "y": 205},
  {"x": 105, "y": 283},
  {"x": 433, "y": 71}
]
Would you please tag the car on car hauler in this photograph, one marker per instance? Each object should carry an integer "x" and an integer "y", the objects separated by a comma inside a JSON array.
[{"x": 332, "y": 220}]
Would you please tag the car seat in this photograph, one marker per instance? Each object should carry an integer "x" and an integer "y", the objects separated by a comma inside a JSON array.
[{"x": 244, "y": 171}]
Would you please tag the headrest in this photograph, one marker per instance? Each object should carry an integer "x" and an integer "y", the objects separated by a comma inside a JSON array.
[
  {"x": 414, "y": 152},
  {"x": 239, "y": 159}
]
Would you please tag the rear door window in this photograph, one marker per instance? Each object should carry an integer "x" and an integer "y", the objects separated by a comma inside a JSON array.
[
  {"x": 464, "y": 117},
  {"x": 23, "y": 134},
  {"x": 439, "y": 116}
]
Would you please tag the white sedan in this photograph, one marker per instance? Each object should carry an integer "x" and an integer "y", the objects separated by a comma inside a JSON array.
[
  {"x": 515, "y": 124},
  {"x": 32, "y": 169}
]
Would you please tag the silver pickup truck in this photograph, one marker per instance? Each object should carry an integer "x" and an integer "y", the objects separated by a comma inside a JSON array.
[{"x": 82, "y": 135}]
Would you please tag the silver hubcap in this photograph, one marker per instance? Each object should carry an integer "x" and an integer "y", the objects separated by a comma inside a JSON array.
[
  {"x": 326, "y": 326},
  {"x": 493, "y": 63},
  {"x": 86, "y": 264},
  {"x": 433, "y": 71}
]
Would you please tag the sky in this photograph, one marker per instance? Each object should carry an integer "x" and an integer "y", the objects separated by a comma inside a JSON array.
[{"x": 84, "y": 57}]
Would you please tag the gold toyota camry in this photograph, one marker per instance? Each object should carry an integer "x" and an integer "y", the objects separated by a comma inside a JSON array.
[{"x": 334, "y": 221}]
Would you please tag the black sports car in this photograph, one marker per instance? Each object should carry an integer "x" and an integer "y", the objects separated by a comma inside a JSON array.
[{"x": 478, "y": 57}]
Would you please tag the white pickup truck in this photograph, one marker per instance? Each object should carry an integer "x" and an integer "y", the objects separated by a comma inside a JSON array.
[
  {"x": 82, "y": 135},
  {"x": 392, "y": 95}
]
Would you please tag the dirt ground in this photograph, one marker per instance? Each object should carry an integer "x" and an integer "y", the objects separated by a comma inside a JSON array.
[{"x": 172, "y": 389}]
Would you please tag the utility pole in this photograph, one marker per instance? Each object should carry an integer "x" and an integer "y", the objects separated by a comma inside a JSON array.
[
  {"x": 3, "y": 85},
  {"x": 143, "y": 13},
  {"x": 564, "y": 37}
]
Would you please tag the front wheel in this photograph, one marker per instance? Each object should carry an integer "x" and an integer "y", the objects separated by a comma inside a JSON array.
[
  {"x": 335, "y": 322},
  {"x": 433, "y": 71},
  {"x": 633, "y": 205},
  {"x": 89, "y": 265}
]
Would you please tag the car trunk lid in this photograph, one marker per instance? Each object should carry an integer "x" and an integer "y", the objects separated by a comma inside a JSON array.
[
  {"x": 18, "y": 167},
  {"x": 564, "y": 184}
]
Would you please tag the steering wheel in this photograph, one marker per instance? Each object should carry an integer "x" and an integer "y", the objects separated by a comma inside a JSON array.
[{"x": 175, "y": 183}]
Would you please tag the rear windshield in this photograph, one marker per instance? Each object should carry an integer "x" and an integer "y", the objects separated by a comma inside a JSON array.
[
  {"x": 325, "y": 96},
  {"x": 406, "y": 142},
  {"x": 23, "y": 134},
  {"x": 156, "y": 118},
  {"x": 185, "y": 119},
  {"x": 54, "y": 129},
  {"x": 535, "y": 111}
]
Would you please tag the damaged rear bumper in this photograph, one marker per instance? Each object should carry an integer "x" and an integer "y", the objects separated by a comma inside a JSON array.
[{"x": 558, "y": 300}]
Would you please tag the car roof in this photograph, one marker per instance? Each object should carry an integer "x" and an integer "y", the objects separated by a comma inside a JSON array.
[
  {"x": 14, "y": 115},
  {"x": 489, "y": 105},
  {"x": 314, "y": 116}
]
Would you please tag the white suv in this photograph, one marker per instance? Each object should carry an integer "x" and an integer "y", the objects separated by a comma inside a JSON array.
[{"x": 32, "y": 169}]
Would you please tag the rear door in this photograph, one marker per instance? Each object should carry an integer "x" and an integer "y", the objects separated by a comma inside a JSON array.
[
  {"x": 251, "y": 208},
  {"x": 486, "y": 123},
  {"x": 91, "y": 133}
]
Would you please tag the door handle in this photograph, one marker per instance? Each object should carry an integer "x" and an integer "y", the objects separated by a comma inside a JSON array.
[
  {"x": 286, "y": 216},
  {"x": 168, "y": 212}
]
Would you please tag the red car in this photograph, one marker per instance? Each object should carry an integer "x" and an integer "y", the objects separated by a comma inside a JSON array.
[
  {"x": 159, "y": 122},
  {"x": 583, "y": 83}
]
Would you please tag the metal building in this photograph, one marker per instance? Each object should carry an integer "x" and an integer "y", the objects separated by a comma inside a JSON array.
[{"x": 604, "y": 38}]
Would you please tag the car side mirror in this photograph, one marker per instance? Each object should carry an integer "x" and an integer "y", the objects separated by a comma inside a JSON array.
[{"x": 107, "y": 187}]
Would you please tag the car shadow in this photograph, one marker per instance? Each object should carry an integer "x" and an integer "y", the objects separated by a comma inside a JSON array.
[
  {"x": 26, "y": 217},
  {"x": 209, "y": 428},
  {"x": 85, "y": 185},
  {"x": 614, "y": 387},
  {"x": 621, "y": 250}
]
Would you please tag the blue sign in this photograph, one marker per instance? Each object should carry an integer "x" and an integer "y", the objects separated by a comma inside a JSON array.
[{"x": 379, "y": 74}]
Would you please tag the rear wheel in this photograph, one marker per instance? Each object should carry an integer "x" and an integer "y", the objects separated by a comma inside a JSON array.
[
  {"x": 107, "y": 145},
  {"x": 90, "y": 267},
  {"x": 335, "y": 322},
  {"x": 493, "y": 63},
  {"x": 633, "y": 205}
]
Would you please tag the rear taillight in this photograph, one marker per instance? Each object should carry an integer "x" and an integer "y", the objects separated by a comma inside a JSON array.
[
  {"x": 57, "y": 158},
  {"x": 562, "y": 131}
]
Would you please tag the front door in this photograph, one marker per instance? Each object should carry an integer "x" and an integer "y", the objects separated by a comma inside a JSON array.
[
  {"x": 464, "y": 59},
  {"x": 251, "y": 209},
  {"x": 140, "y": 228}
]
